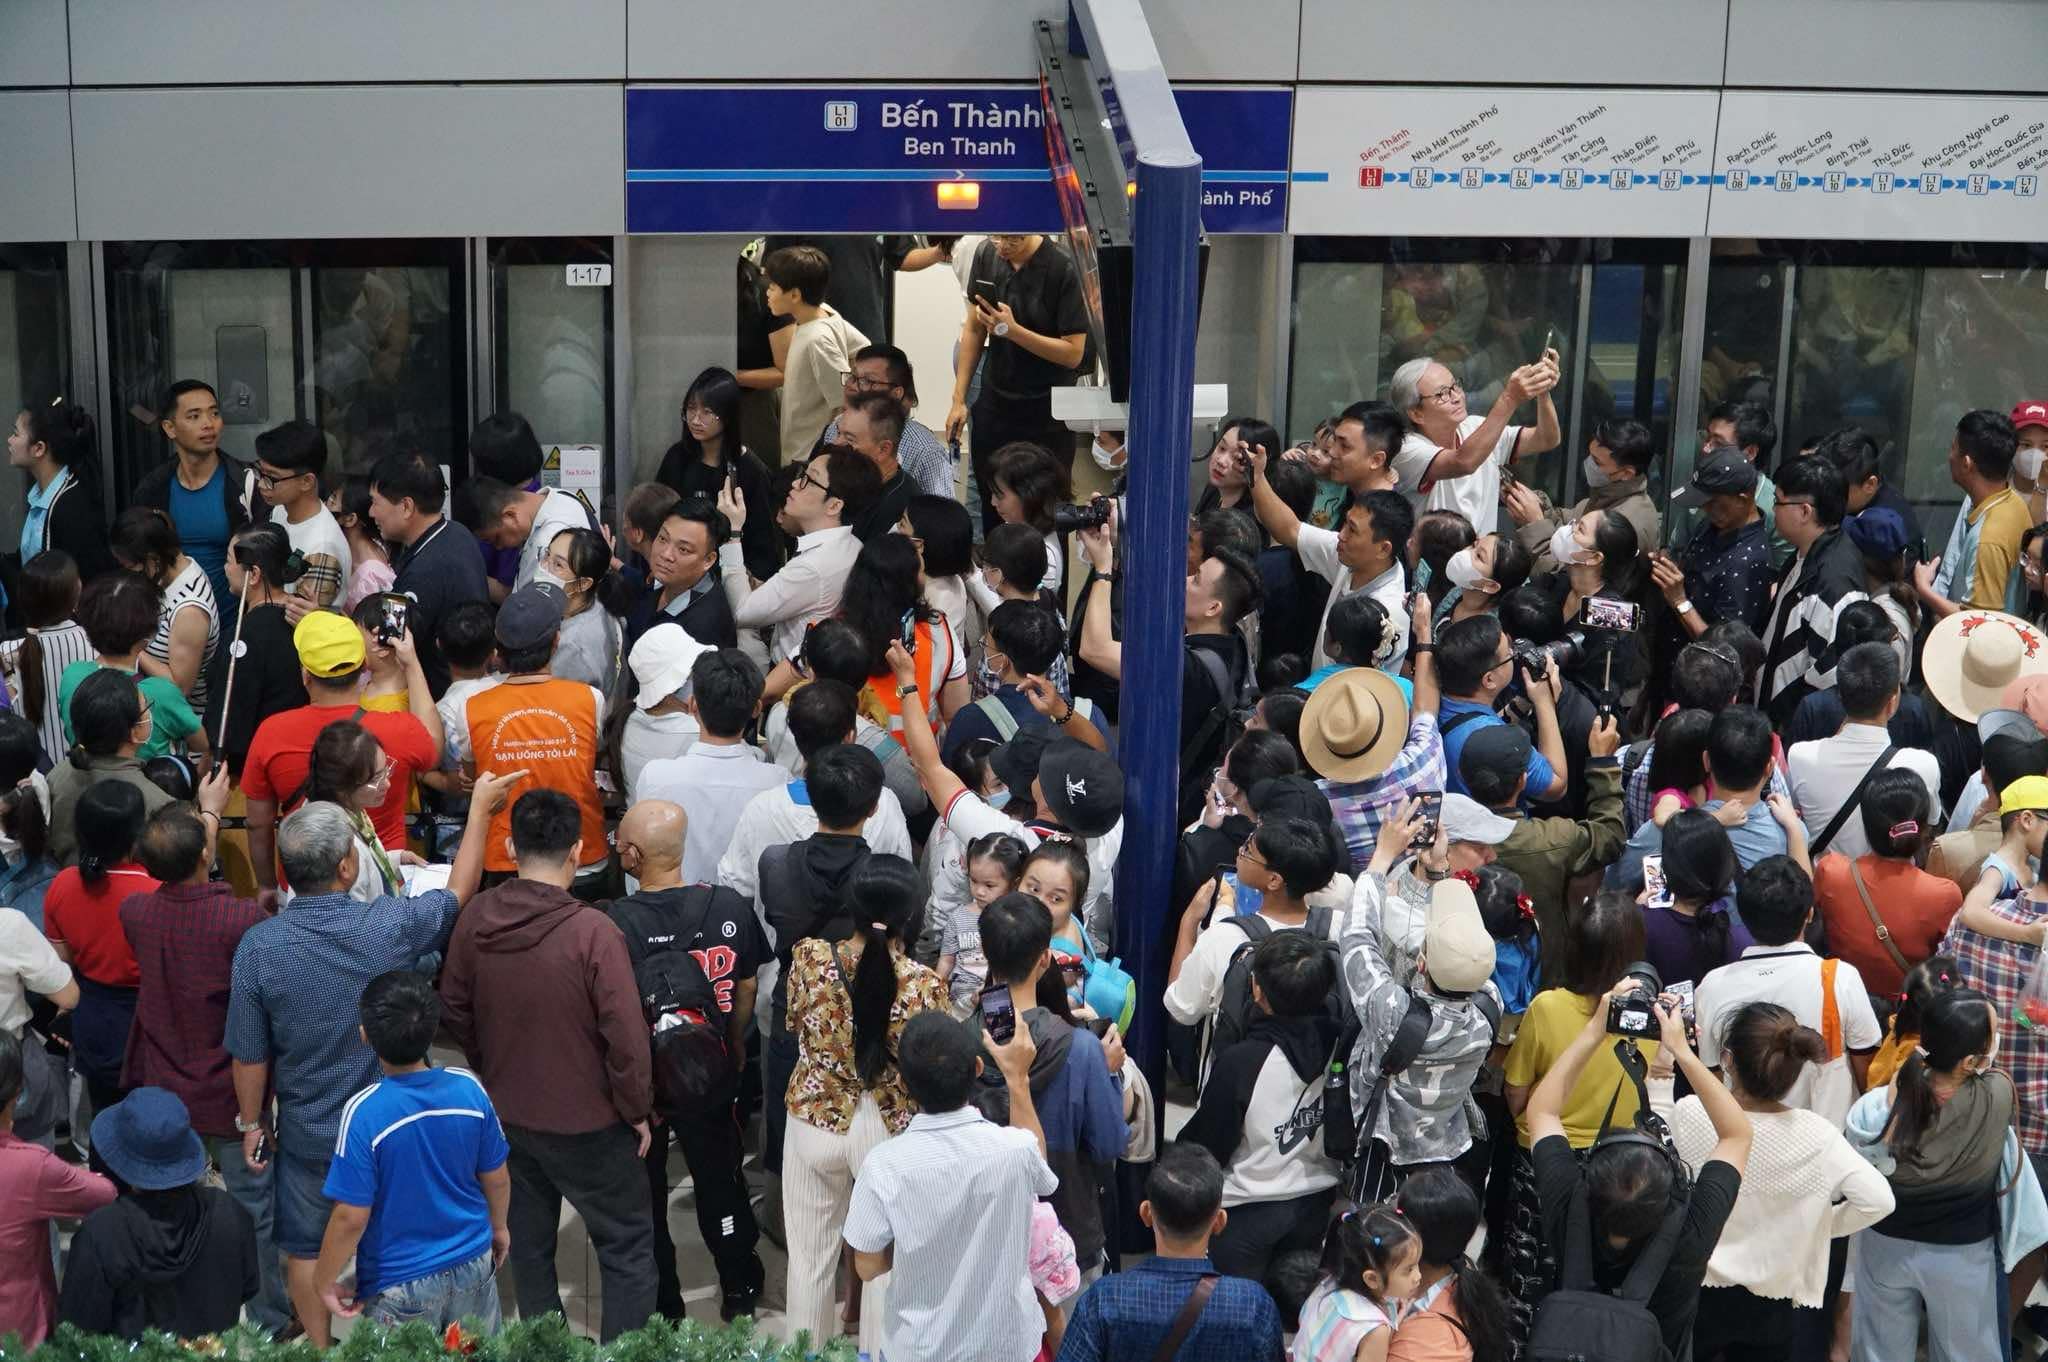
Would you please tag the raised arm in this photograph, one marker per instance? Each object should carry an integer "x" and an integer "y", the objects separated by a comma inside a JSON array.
[
  {"x": 1276, "y": 515},
  {"x": 1731, "y": 1126},
  {"x": 1098, "y": 648},
  {"x": 918, "y": 740},
  {"x": 1065, "y": 719},
  {"x": 1976, "y": 913}
]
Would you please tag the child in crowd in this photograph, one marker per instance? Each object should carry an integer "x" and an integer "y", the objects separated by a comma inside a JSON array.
[
  {"x": 993, "y": 864},
  {"x": 386, "y": 691},
  {"x": 1372, "y": 1262},
  {"x": 371, "y": 575},
  {"x": 1056, "y": 874},
  {"x": 468, "y": 642},
  {"x": 1458, "y": 1311},
  {"x": 1935, "y": 975},
  {"x": 1055, "y": 1275}
]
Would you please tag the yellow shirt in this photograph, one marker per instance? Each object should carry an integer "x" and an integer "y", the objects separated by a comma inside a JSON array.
[
  {"x": 1554, "y": 1018},
  {"x": 395, "y": 702},
  {"x": 2001, "y": 519}
]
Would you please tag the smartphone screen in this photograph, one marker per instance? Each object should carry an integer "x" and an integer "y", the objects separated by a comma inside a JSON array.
[
  {"x": 999, "y": 1014},
  {"x": 1431, "y": 815},
  {"x": 1653, "y": 882},
  {"x": 1608, "y": 612},
  {"x": 395, "y": 611},
  {"x": 983, "y": 291},
  {"x": 907, "y": 630}
]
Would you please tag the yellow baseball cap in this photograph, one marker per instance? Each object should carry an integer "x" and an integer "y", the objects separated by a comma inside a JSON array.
[
  {"x": 2028, "y": 792},
  {"x": 328, "y": 644}
]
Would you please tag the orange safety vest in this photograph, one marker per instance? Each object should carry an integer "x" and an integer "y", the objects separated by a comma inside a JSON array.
[{"x": 548, "y": 729}]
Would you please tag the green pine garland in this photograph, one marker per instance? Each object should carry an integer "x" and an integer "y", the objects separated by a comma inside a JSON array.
[{"x": 547, "y": 1339}]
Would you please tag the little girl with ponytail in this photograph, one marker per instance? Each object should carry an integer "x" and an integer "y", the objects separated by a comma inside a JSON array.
[{"x": 1372, "y": 1264}]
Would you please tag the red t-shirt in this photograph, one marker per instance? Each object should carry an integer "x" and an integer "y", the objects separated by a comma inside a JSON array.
[
  {"x": 86, "y": 920},
  {"x": 282, "y": 752},
  {"x": 1916, "y": 908}
]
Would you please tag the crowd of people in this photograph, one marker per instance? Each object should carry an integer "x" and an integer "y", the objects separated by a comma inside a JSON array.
[{"x": 1600, "y": 930}]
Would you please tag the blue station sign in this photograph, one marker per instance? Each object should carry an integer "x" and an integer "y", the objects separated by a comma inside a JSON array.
[{"x": 933, "y": 158}]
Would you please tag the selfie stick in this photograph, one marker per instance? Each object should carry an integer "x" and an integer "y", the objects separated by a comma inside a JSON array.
[{"x": 235, "y": 651}]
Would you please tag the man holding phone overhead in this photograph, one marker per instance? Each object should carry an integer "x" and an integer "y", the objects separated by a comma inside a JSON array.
[{"x": 1453, "y": 460}]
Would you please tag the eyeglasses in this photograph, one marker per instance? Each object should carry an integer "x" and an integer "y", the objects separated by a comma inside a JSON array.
[
  {"x": 1442, "y": 396},
  {"x": 805, "y": 476},
  {"x": 268, "y": 480},
  {"x": 1251, "y": 857},
  {"x": 1785, "y": 503},
  {"x": 857, "y": 383}
]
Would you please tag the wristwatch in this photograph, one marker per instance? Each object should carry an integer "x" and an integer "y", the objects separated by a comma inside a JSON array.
[
  {"x": 244, "y": 1127},
  {"x": 1683, "y": 607},
  {"x": 907, "y": 689}
]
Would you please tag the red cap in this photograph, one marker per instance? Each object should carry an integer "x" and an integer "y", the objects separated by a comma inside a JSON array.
[{"x": 2030, "y": 414}]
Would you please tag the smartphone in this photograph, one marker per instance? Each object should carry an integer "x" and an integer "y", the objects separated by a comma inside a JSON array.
[
  {"x": 1548, "y": 335},
  {"x": 906, "y": 630},
  {"x": 1654, "y": 883},
  {"x": 263, "y": 1147},
  {"x": 1431, "y": 815},
  {"x": 396, "y": 610},
  {"x": 1606, "y": 612},
  {"x": 983, "y": 291},
  {"x": 999, "y": 1014}
]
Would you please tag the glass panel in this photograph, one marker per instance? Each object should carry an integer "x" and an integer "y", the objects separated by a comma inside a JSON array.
[
  {"x": 365, "y": 338},
  {"x": 35, "y": 349},
  {"x": 553, "y": 341},
  {"x": 1631, "y": 358}
]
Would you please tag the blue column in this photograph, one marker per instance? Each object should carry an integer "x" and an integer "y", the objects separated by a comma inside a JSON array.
[{"x": 1164, "y": 303}]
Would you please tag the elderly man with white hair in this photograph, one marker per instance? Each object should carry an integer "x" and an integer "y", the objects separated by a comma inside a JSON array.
[
  {"x": 1452, "y": 461},
  {"x": 293, "y": 1012}
]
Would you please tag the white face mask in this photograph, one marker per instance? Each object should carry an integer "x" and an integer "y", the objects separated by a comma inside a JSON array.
[
  {"x": 541, "y": 574},
  {"x": 1108, "y": 460},
  {"x": 2028, "y": 462},
  {"x": 1563, "y": 547},
  {"x": 1596, "y": 476},
  {"x": 1463, "y": 571}
]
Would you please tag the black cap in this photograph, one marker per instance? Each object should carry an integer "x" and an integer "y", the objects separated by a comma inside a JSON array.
[
  {"x": 1083, "y": 788},
  {"x": 1723, "y": 471},
  {"x": 531, "y": 615},
  {"x": 1492, "y": 760},
  {"x": 1015, "y": 763}
]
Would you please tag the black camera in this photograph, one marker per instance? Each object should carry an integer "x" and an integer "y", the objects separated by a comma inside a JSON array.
[
  {"x": 1537, "y": 658},
  {"x": 1633, "y": 1013},
  {"x": 1089, "y": 515}
]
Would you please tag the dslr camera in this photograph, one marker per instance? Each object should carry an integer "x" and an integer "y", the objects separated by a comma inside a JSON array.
[
  {"x": 1089, "y": 515},
  {"x": 1538, "y": 658},
  {"x": 1633, "y": 1012}
]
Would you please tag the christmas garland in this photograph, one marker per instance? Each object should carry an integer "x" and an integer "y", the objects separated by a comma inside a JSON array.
[{"x": 547, "y": 1339}]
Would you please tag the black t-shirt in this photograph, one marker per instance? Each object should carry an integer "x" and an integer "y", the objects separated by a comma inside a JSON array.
[
  {"x": 692, "y": 477},
  {"x": 881, "y": 518},
  {"x": 712, "y": 923},
  {"x": 1045, "y": 296},
  {"x": 440, "y": 570},
  {"x": 267, "y": 680},
  {"x": 1676, "y": 1299}
]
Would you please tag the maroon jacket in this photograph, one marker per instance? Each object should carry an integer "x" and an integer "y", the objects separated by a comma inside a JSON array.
[{"x": 538, "y": 990}]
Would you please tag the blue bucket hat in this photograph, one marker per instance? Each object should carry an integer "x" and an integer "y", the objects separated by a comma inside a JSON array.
[{"x": 148, "y": 1140}]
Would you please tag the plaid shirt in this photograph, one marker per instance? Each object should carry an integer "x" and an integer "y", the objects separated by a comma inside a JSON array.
[
  {"x": 1999, "y": 969},
  {"x": 1360, "y": 806},
  {"x": 1125, "y": 1316},
  {"x": 184, "y": 938}
]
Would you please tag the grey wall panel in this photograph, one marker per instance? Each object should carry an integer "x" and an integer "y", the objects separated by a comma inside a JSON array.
[
  {"x": 35, "y": 165},
  {"x": 33, "y": 49},
  {"x": 1233, "y": 40},
  {"x": 201, "y": 42},
  {"x": 352, "y": 161},
  {"x": 1975, "y": 46},
  {"x": 823, "y": 40},
  {"x": 1512, "y": 42}
]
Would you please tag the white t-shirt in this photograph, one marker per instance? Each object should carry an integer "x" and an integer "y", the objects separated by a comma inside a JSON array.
[
  {"x": 28, "y": 964},
  {"x": 1197, "y": 991},
  {"x": 1823, "y": 774},
  {"x": 558, "y": 511},
  {"x": 318, "y": 536},
  {"x": 1317, "y": 549},
  {"x": 1789, "y": 976},
  {"x": 453, "y": 708},
  {"x": 1476, "y": 494}
]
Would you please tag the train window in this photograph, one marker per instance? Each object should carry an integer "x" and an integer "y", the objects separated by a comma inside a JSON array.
[
  {"x": 367, "y": 339},
  {"x": 35, "y": 356},
  {"x": 551, "y": 337}
]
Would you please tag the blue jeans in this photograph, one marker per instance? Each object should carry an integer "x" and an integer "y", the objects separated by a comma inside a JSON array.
[
  {"x": 467, "y": 1291},
  {"x": 302, "y": 1208},
  {"x": 272, "y": 1308}
]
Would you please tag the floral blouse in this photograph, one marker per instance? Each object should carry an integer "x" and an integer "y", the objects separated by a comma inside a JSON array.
[{"x": 825, "y": 1088}]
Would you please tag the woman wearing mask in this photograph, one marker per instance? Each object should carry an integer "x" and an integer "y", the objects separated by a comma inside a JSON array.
[
  {"x": 1942, "y": 1136},
  {"x": 188, "y": 618},
  {"x": 709, "y": 453},
  {"x": 587, "y": 648},
  {"x": 848, "y": 1003},
  {"x": 266, "y": 676},
  {"x": 350, "y": 505},
  {"x": 113, "y": 717},
  {"x": 348, "y": 768},
  {"x": 1804, "y": 1186},
  {"x": 1601, "y": 561},
  {"x": 56, "y": 444},
  {"x": 1480, "y": 576}
]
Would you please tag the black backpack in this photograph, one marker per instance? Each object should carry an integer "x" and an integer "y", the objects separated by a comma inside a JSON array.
[
  {"x": 1222, "y": 726},
  {"x": 1578, "y": 1322},
  {"x": 1236, "y": 1011},
  {"x": 693, "y": 1065}
]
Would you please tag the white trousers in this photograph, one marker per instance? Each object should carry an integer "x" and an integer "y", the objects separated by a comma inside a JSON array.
[{"x": 818, "y": 1168}]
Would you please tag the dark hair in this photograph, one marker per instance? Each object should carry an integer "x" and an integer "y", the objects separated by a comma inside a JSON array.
[
  {"x": 68, "y": 430},
  {"x": 884, "y": 414},
  {"x": 1390, "y": 517},
  {"x": 1445, "y": 1212},
  {"x": 1028, "y": 634},
  {"x": 300, "y": 447},
  {"x": 11, "y": 1075},
  {"x": 1295, "y": 485},
  {"x": 1854, "y": 451},
  {"x": 1237, "y": 584},
  {"x": 1000, "y": 847},
  {"x": 881, "y": 895},
  {"x": 265, "y": 548},
  {"x": 849, "y": 479},
  {"x": 1038, "y": 481},
  {"x": 1775, "y": 899},
  {"x": 174, "y": 774},
  {"x": 718, "y": 392},
  {"x": 503, "y": 447},
  {"x": 167, "y": 403},
  {"x": 590, "y": 556},
  {"x": 1511, "y": 563},
  {"x": 845, "y": 784},
  {"x": 881, "y": 587},
  {"x": 1368, "y": 1239},
  {"x": 345, "y": 757},
  {"x": 948, "y": 534},
  {"x": 1019, "y": 553},
  {"x": 1705, "y": 677},
  {"x": 726, "y": 686},
  {"x": 411, "y": 477},
  {"x": 1953, "y": 1026},
  {"x": 1628, "y": 442},
  {"x": 703, "y": 511},
  {"x": 803, "y": 270},
  {"x": 546, "y": 825},
  {"x": 1699, "y": 868},
  {"x": 1863, "y": 622},
  {"x": 1530, "y": 613},
  {"x": 1739, "y": 745},
  {"x": 833, "y": 649},
  {"x": 1935, "y": 975},
  {"x": 118, "y": 610},
  {"x": 1602, "y": 942},
  {"x": 105, "y": 708},
  {"x": 49, "y": 596},
  {"x": 2006, "y": 758},
  {"x": 820, "y": 716},
  {"x": 172, "y": 846},
  {"x": 109, "y": 818},
  {"x": 355, "y": 501},
  {"x": 1614, "y": 539},
  {"x": 1676, "y": 751},
  {"x": 1867, "y": 679},
  {"x": 1768, "y": 1049},
  {"x": 648, "y": 505},
  {"x": 1297, "y": 796},
  {"x": 1067, "y": 854},
  {"x": 1896, "y": 798},
  {"x": 1297, "y": 851},
  {"x": 936, "y": 1056},
  {"x": 1753, "y": 426},
  {"x": 1292, "y": 970},
  {"x": 1988, "y": 440},
  {"x": 1628, "y": 1189},
  {"x": 400, "y": 1012},
  {"x": 1438, "y": 537},
  {"x": 1819, "y": 480},
  {"x": 1466, "y": 650},
  {"x": 1383, "y": 427},
  {"x": 1741, "y": 643},
  {"x": 144, "y": 540},
  {"x": 528, "y": 661},
  {"x": 1227, "y": 527},
  {"x": 1015, "y": 931},
  {"x": 1259, "y": 755},
  {"x": 1184, "y": 1189},
  {"x": 1282, "y": 712},
  {"x": 21, "y": 810},
  {"x": 900, "y": 373},
  {"x": 467, "y": 634},
  {"x": 1499, "y": 896}
]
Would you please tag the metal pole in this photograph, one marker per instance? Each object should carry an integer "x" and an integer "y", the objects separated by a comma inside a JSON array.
[{"x": 1164, "y": 299}]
